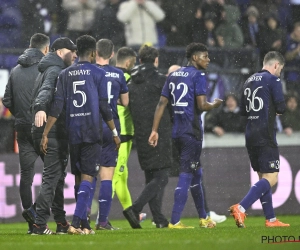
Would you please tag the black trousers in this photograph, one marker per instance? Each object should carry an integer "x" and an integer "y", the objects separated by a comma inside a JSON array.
[
  {"x": 156, "y": 181},
  {"x": 52, "y": 189},
  {"x": 27, "y": 156}
]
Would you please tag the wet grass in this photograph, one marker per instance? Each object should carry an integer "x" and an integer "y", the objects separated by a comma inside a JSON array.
[{"x": 225, "y": 236}]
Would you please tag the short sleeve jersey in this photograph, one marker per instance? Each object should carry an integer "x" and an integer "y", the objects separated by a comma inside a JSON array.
[
  {"x": 116, "y": 85},
  {"x": 262, "y": 92},
  {"x": 80, "y": 88},
  {"x": 181, "y": 88}
]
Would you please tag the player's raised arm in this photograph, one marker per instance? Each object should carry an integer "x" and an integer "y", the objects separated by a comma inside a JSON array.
[
  {"x": 163, "y": 101},
  {"x": 203, "y": 105}
]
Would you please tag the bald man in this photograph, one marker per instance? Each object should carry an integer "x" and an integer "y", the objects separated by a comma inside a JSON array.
[{"x": 173, "y": 68}]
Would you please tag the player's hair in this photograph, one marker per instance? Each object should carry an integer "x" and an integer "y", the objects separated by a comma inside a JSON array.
[
  {"x": 124, "y": 53},
  {"x": 104, "y": 48},
  {"x": 148, "y": 54},
  {"x": 85, "y": 45},
  {"x": 194, "y": 48},
  {"x": 39, "y": 41},
  {"x": 273, "y": 56}
]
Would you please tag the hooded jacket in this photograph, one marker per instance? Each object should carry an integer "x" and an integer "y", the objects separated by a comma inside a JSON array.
[
  {"x": 18, "y": 93},
  {"x": 140, "y": 21},
  {"x": 49, "y": 67},
  {"x": 144, "y": 93},
  {"x": 230, "y": 30}
]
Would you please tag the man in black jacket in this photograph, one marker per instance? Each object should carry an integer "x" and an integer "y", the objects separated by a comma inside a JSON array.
[
  {"x": 51, "y": 193},
  {"x": 144, "y": 91},
  {"x": 17, "y": 99}
]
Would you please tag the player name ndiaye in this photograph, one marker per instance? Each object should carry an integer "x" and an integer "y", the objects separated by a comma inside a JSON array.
[{"x": 80, "y": 72}]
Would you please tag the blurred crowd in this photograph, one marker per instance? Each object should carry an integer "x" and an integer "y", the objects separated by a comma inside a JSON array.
[
  {"x": 217, "y": 23},
  {"x": 230, "y": 24}
]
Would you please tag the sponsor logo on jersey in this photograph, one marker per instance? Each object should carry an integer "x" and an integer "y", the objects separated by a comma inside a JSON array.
[
  {"x": 253, "y": 117},
  {"x": 81, "y": 114}
]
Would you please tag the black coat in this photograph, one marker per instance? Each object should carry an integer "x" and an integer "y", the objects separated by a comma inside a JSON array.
[
  {"x": 144, "y": 93},
  {"x": 231, "y": 122},
  {"x": 18, "y": 93},
  {"x": 50, "y": 67}
]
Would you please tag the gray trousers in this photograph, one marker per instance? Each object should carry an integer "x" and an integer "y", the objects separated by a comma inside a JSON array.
[
  {"x": 27, "y": 157},
  {"x": 51, "y": 194}
]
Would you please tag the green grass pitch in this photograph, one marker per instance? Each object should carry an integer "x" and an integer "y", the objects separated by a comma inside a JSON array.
[{"x": 225, "y": 236}]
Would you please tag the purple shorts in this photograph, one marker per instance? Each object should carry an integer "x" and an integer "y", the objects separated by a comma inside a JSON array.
[
  {"x": 189, "y": 149},
  {"x": 85, "y": 158},
  {"x": 109, "y": 155},
  {"x": 264, "y": 159}
]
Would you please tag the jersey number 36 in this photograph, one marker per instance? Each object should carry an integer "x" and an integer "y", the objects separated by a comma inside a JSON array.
[{"x": 255, "y": 103}]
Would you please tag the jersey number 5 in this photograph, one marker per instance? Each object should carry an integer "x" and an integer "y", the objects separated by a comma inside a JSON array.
[
  {"x": 76, "y": 91},
  {"x": 251, "y": 99}
]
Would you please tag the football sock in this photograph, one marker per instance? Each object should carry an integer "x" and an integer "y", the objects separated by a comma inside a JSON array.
[
  {"x": 197, "y": 193},
  {"x": 85, "y": 224},
  {"x": 90, "y": 201},
  {"x": 76, "y": 221},
  {"x": 105, "y": 198},
  {"x": 76, "y": 188},
  {"x": 82, "y": 199},
  {"x": 180, "y": 196},
  {"x": 207, "y": 210},
  {"x": 267, "y": 204},
  {"x": 255, "y": 192}
]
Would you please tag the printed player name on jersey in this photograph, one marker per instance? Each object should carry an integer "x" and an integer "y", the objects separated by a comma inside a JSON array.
[
  {"x": 112, "y": 74},
  {"x": 254, "y": 78},
  {"x": 80, "y": 72},
  {"x": 80, "y": 114},
  {"x": 184, "y": 74}
]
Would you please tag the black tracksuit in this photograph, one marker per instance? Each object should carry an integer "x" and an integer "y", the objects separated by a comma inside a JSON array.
[
  {"x": 144, "y": 93},
  {"x": 17, "y": 98}
]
